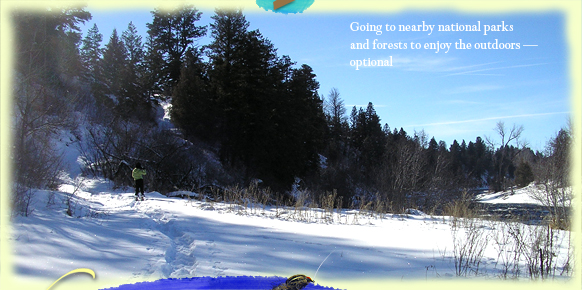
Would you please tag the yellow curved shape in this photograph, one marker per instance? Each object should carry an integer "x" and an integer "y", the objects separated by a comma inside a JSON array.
[{"x": 80, "y": 270}]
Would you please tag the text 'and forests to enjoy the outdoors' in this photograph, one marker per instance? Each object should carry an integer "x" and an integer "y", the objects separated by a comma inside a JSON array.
[{"x": 436, "y": 46}]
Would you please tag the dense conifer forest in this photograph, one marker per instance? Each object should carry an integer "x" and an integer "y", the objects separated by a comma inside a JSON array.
[{"x": 241, "y": 116}]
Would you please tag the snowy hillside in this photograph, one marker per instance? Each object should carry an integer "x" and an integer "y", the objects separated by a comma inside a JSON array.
[
  {"x": 126, "y": 240},
  {"x": 518, "y": 196}
]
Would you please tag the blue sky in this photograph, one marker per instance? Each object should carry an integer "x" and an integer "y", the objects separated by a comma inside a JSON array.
[{"x": 457, "y": 95}]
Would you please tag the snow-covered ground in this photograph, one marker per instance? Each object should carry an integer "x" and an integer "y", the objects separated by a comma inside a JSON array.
[
  {"x": 128, "y": 241},
  {"x": 517, "y": 196},
  {"x": 89, "y": 224}
]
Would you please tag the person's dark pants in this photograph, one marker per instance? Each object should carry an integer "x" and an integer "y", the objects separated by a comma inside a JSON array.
[{"x": 139, "y": 187}]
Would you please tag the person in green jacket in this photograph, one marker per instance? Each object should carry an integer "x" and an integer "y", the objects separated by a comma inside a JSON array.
[{"x": 137, "y": 174}]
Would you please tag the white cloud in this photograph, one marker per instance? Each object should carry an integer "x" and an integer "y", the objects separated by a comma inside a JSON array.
[
  {"x": 478, "y": 71},
  {"x": 487, "y": 119},
  {"x": 474, "y": 89},
  {"x": 423, "y": 64}
]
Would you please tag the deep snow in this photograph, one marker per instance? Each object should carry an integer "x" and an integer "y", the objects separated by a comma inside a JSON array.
[{"x": 162, "y": 237}]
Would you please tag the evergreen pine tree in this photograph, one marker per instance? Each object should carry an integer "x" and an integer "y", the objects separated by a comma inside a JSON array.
[
  {"x": 135, "y": 100},
  {"x": 171, "y": 34},
  {"x": 368, "y": 143},
  {"x": 305, "y": 121},
  {"x": 337, "y": 134},
  {"x": 237, "y": 67},
  {"x": 267, "y": 110},
  {"x": 112, "y": 68},
  {"x": 91, "y": 52},
  {"x": 523, "y": 174},
  {"x": 194, "y": 109}
]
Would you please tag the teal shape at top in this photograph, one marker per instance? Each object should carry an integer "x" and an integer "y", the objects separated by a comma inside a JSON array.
[{"x": 297, "y": 6}]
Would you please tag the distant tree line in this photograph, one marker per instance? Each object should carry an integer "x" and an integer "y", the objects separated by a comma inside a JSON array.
[{"x": 241, "y": 114}]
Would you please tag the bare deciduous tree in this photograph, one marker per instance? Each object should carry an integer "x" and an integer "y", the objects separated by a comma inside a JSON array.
[
  {"x": 505, "y": 156},
  {"x": 553, "y": 178},
  {"x": 507, "y": 135}
]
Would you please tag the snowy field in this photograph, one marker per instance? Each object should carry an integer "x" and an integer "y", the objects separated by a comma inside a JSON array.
[{"x": 127, "y": 241}]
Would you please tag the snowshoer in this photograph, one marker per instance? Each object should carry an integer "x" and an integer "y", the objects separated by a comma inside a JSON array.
[
  {"x": 295, "y": 282},
  {"x": 137, "y": 174}
]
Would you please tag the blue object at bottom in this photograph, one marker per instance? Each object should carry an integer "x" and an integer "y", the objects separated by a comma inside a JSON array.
[{"x": 241, "y": 282}]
